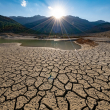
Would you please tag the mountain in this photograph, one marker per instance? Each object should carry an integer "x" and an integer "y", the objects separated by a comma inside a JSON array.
[
  {"x": 82, "y": 24},
  {"x": 53, "y": 26},
  {"x": 73, "y": 25},
  {"x": 25, "y": 20},
  {"x": 9, "y": 25},
  {"x": 100, "y": 28}
]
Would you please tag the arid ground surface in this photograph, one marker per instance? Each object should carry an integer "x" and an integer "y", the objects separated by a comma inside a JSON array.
[{"x": 49, "y": 79}]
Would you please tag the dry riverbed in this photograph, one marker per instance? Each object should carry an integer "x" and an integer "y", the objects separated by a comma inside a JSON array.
[{"x": 34, "y": 78}]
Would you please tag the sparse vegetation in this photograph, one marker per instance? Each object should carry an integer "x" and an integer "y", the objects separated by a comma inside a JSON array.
[
  {"x": 86, "y": 41},
  {"x": 9, "y": 25}
]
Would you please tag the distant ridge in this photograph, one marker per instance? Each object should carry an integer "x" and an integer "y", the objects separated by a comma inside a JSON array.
[
  {"x": 25, "y": 20},
  {"x": 82, "y": 24},
  {"x": 100, "y": 28}
]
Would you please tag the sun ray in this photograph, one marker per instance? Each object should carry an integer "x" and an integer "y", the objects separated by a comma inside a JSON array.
[
  {"x": 62, "y": 33},
  {"x": 39, "y": 24},
  {"x": 51, "y": 29},
  {"x": 77, "y": 24},
  {"x": 45, "y": 25},
  {"x": 68, "y": 36},
  {"x": 74, "y": 26}
]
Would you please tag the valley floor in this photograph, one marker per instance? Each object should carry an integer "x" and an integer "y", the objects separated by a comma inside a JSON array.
[{"x": 49, "y": 79}]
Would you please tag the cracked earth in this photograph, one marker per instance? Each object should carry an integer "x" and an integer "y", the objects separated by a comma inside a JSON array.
[{"x": 49, "y": 79}]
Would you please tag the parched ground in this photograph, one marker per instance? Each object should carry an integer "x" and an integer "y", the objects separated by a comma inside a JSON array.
[{"x": 48, "y": 79}]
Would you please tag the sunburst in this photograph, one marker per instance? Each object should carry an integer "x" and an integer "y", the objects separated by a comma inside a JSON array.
[{"x": 58, "y": 12}]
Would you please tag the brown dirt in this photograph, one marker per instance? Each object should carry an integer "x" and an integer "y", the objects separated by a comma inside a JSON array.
[{"x": 86, "y": 41}]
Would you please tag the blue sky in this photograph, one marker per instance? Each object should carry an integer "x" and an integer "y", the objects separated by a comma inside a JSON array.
[{"x": 91, "y": 10}]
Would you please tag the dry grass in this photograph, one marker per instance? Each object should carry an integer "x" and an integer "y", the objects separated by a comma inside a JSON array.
[{"x": 86, "y": 41}]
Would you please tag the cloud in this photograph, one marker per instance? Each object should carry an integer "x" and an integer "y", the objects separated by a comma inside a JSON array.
[
  {"x": 44, "y": 2},
  {"x": 24, "y": 3},
  {"x": 49, "y": 7}
]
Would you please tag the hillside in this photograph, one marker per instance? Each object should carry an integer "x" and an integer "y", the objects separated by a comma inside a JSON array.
[
  {"x": 82, "y": 24},
  {"x": 9, "y": 25},
  {"x": 25, "y": 20},
  {"x": 100, "y": 28}
]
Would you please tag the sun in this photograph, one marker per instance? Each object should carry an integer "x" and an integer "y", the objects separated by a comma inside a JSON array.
[{"x": 57, "y": 12}]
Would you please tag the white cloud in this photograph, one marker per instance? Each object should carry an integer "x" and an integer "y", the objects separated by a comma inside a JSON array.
[
  {"x": 24, "y": 3},
  {"x": 49, "y": 7}
]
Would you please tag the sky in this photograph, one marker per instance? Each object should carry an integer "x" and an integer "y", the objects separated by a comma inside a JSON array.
[{"x": 91, "y": 10}]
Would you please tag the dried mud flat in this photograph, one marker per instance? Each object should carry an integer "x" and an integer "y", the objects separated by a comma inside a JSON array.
[{"x": 49, "y": 79}]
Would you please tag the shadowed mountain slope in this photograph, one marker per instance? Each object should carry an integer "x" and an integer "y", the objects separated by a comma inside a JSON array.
[
  {"x": 9, "y": 25},
  {"x": 100, "y": 28}
]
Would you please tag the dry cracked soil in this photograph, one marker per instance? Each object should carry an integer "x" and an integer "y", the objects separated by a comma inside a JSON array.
[{"x": 49, "y": 79}]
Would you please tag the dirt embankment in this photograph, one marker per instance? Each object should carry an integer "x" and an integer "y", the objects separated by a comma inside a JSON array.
[{"x": 86, "y": 41}]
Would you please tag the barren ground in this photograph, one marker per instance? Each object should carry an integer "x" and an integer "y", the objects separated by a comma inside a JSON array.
[{"x": 49, "y": 79}]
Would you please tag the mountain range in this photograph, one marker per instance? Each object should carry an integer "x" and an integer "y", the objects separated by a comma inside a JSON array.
[
  {"x": 49, "y": 25},
  {"x": 68, "y": 24},
  {"x": 24, "y": 20}
]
